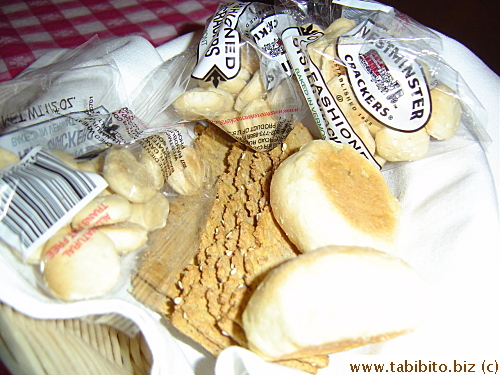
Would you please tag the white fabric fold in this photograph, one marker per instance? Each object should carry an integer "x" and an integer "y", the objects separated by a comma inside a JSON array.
[{"x": 449, "y": 233}]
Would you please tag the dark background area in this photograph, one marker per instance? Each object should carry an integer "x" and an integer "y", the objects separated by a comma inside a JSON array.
[
  {"x": 3, "y": 369},
  {"x": 474, "y": 23}
]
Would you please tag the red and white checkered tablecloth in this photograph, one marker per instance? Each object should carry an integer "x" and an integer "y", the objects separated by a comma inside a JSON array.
[{"x": 29, "y": 29}]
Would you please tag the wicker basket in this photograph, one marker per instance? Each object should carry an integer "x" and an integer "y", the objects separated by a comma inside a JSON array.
[{"x": 70, "y": 346}]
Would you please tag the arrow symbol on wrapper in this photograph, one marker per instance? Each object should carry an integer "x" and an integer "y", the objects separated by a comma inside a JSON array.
[
  {"x": 308, "y": 30},
  {"x": 215, "y": 75}
]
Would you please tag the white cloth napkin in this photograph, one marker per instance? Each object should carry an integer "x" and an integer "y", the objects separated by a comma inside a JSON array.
[
  {"x": 450, "y": 234},
  {"x": 134, "y": 56}
]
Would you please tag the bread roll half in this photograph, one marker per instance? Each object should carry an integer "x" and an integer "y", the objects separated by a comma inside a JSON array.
[
  {"x": 329, "y": 194},
  {"x": 333, "y": 299}
]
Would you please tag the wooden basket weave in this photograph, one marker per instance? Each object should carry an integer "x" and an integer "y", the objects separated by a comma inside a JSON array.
[{"x": 69, "y": 346}]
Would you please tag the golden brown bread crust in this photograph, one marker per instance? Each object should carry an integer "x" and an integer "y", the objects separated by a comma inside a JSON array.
[
  {"x": 328, "y": 194},
  {"x": 339, "y": 346},
  {"x": 341, "y": 175}
]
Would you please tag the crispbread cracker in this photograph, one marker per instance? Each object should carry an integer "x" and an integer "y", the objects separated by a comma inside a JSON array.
[{"x": 239, "y": 244}]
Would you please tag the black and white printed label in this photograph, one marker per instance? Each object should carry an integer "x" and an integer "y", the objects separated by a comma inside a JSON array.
[
  {"x": 39, "y": 195},
  {"x": 267, "y": 37},
  {"x": 387, "y": 81},
  {"x": 327, "y": 115},
  {"x": 219, "y": 48},
  {"x": 77, "y": 132},
  {"x": 62, "y": 132}
]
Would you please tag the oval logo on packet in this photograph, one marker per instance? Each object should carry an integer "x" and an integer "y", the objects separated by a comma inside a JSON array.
[{"x": 386, "y": 78}]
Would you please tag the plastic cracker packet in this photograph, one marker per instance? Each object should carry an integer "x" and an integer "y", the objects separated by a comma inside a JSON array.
[
  {"x": 81, "y": 222},
  {"x": 242, "y": 81},
  {"x": 88, "y": 169},
  {"x": 87, "y": 99},
  {"x": 374, "y": 78},
  {"x": 76, "y": 103}
]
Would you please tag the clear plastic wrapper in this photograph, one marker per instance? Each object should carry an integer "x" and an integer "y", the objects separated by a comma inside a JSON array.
[
  {"x": 374, "y": 78},
  {"x": 84, "y": 186},
  {"x": 74, "y": 219},
  {"x": 242, "y": 81},
  {"x": 81, "y": 101},
  {"x": 76, "y": 104}
]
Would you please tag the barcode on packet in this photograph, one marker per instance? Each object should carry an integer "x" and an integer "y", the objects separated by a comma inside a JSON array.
[{"x": 38, "y": 196}]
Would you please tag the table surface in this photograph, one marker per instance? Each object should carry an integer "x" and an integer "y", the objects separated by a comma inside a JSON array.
[{"x": 30, "y": 28}]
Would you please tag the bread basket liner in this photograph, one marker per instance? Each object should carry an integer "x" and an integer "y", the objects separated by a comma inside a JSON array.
[{"x": 449, "y": 233}]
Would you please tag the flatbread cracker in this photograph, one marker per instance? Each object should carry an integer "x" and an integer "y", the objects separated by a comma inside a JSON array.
[{"x": 239, "y": 243}]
